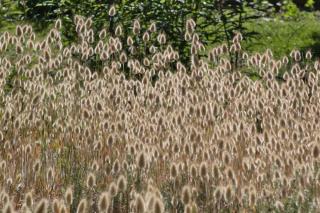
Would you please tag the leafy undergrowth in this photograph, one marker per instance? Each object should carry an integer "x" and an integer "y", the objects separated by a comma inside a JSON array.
[{"x": 282, "y": 35}]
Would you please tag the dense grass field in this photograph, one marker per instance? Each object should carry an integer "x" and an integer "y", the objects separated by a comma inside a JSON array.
[{"x": 106, "y": 125}]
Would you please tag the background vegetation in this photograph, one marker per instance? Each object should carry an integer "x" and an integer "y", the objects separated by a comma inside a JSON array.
[{"x": 274, "y": 24}]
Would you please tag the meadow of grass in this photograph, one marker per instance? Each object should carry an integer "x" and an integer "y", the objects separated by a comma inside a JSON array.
[
  {"x": 147, "y": 133},
  {"x": 281, "y": 35}
]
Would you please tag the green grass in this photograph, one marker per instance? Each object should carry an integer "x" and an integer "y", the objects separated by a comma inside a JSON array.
[{"x": 281, "y": 36}]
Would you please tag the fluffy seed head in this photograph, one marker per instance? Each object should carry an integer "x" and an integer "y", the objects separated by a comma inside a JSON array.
[
  {"x": 186, "y": 195},
  {"x": 42, "y": 206},
  {"x": 91, "y": 180},
  {"x": 141, "y": 160},
  {"x": 139, "y": 204},
  {"x": 69, "y": 196},
  {"x": 8, "y": 208},
  {"x": 173, "y": 170},
  {"x": 29, "y": 200},
  {"x": 104, "y": 202},
  {"x": 82, "y": 206},
  {"x": 203, "y": 170},
  {"x": 158, "y": 206},
  {"x": 56, "y": 206},
  {"x": 113, "y": 189},
  {"x": 316, "y": 151},
  {"x": 118, "y": 31},
  {"x": 228, "y": 194},
  {"x": 57, "y": 24},
  {"x": 112, "y": 11},
  {"x": 153, "y": 27},
  {"x": 122, "y": 183}
]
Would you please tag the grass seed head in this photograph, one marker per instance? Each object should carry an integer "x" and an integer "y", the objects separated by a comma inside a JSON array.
[
  {"x": 69, "y": 196},
  {"x": 122, "y": 183},
  {"x": 139, "y": 204},
  {"x": 141, "y": 160},
  {"x": 82, "y": 206},
  {"x": 113, "y": 189},
  {"x": 42, "y": 206},
  {"x": 315, "y": 151},
  {"x": 29, "y": 200},
  {"x": 91, "y": 180},
  {"x": 112, "y": 11},
  {"x": 56, "y": 206},
  {"x": 186, "y": 195},
  {"x": 104, "y": 202},
  {"x": 8, "y": 208},
  {"x": 158, "y": 206}
]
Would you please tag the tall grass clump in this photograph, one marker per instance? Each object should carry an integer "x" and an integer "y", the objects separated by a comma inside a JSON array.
[{"x": 97, "y": 127}]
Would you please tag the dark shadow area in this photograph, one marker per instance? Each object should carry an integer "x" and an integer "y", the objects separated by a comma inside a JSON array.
[{"x": 315, "y": 48}]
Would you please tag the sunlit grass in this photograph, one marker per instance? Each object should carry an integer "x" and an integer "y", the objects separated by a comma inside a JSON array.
[{"x": 117, "y": 123}]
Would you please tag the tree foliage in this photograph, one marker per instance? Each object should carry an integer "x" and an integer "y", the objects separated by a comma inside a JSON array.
[{"x": 217, "y": 20}]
